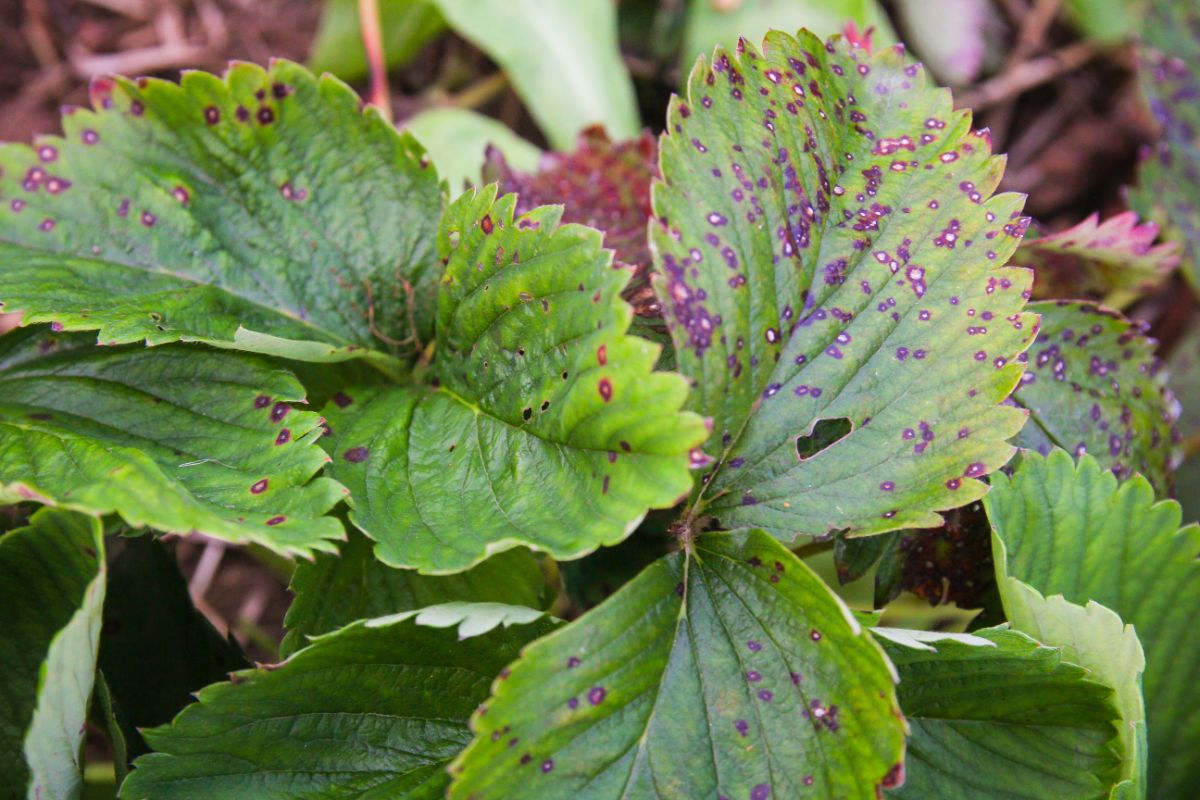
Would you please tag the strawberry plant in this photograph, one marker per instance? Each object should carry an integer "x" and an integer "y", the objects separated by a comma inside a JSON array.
[{"x": 556, "y": 456}]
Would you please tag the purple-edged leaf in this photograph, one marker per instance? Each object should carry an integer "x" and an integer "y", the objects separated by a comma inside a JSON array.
[
  {"x": 1115, "y": 261},
  {"x": 831, "y": 265},
  {"x": 730, "y": 671},
  {"x": 1168, "y": 189},
  {"x": 601, "y": 184},
  {"x": 1094, "y": 385},
  {"x": 262, "y": 211}
]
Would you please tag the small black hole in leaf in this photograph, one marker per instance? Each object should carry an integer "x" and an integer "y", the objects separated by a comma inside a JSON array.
[
  {"x": 527, "y": 413},
  {"x": 825, "y": 434},
  {"x": 545, "y": 404}
]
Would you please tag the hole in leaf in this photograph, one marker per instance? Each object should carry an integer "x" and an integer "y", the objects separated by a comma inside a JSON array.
[{"x": 824, "y": 435}]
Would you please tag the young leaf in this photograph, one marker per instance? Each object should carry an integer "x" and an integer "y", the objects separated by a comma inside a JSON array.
[
  {"x": 264, "y": 212},
  {"x": 1094, "y": 385},
  {"x": 1010, "y": 719},
  {"x": 1115, "y": 260},
  {"x": 458, "y": 140},
  {"x": 831, "y": 273},
  {"x": 1071, "y": 529},
  {"x": 1167, "y": 187},
  {"x": 155, "y": 647},
  {"x": 562, "y": 58},
  {"x": 547, "y": 427},
  {"x": 335, "y": 590},
  {"x": 52, "y": 593},
  {"x": 730, "y": 672},
  {"x": 374, "y": 710},
  {"x": 178, "y": 438}
]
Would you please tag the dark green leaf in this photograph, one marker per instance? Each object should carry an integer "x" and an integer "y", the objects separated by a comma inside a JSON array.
[
  {"x": 1094, "y": 385},
  {"x": 372, "y": 711},
  {"x": 1071, "y": 529},
  {"x": 730, "y": 672},
  {"x": 335, "y": 590},
  {"x": 264, "y": 212},
  {"x": 547, "y": 427},
  {"x": 156, "y": 649},
  {"x": 182, "y": 439},
  {"x": 831, "y": 253},
  {"x": 1003, "y": 717},
  {"x": 51, "y": 593}
]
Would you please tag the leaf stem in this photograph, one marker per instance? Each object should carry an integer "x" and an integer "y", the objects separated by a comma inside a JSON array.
[{"x": 372, "y": 36}]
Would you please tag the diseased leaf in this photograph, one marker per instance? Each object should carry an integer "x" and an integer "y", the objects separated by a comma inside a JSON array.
[
  {"x": 1168, "y": 184},
  {"x": 1094, "y": 385},
  {"x": 736, "y": 656},
  {"x": 1073, "y": 530},
  {"x": 1184, "y": 367},
  {"x": 601, "y": 184},
  {"x": 1115, "y": 261},
  {"x": 457, "y": 140},
  {"x": 156, "y": 649},
  {"x": 372, "y": 711},
  {"x": 177, "y": 438},
  {"x": 405, "y": 27},
  {"x": 262, "y": 212},
  {"x": 950, "y": 564},
  {"x": 52, "y": 591},
  {"x": 335, "y": 590},
  {"x": 831, "y": 273},
  {"x": 562, "y": 58},
  {"x": 1009, "y": 720},
  {"x": 547, "y": 427}
]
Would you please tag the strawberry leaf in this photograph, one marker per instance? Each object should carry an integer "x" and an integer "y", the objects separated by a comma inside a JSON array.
[
  {"x": 547, "y": 426},
  {"x": 373, "y": 710},
  {"x": 263, "y": 211},
  {"x": 731, "y": 671},
  {"x": 1094, "y": 385},
  {"x": 182, "y": 439},
  {"x": 1071, "y": 529},
  {"x": 830, "y": 269}
]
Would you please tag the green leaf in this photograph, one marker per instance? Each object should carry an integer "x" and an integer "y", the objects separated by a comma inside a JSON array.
[
  {"x": 1184, "y": 367},
  {"x": 1115, "y": 260},
  {"x": 156, "y": 649},
  {"x": 406, "y": 26},
  {"x": 1071, "y": 529},
  {"x": 547, "y": 427},
  {"x": 562, "y": 58},
  {"x": 831, "y": 273},
  {"x": 1169, "y": 73},
  {"x": 374, "y": 710},
  {"x": 1094, "y": 385},
  {"x": 732, "y": 671},
  {"x": 52, "y": 593},
  {"x": 458, "y": 139},
  {"x": 262, "y": 212},
  {"x": 1002, "y": 717},
  {"x": 1107, "y": 22},
  {"x": 335, "y": 590},
  {"x": 182, "y": 439},
  {"x": 720, "y": 24}
]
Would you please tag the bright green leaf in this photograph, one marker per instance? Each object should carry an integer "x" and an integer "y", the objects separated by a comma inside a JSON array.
[
  {"x": 547, "y": 427},
  {"x": 335, "y": 590},
  {"x": 732, "y": 672},
  {"x": 263, "y": 212},
  {"x": 1009, "y": 720},
  {"x": 52, "y": 593},
  {"x": 1071, "y": 529},
  {"x": 562, "y": 58},
  {"x": 1107, "y": 22},
  {"x": 179, "y": 438},
  {"x": 405, "y": 26},
  {"x": 457, "y": 140},
  {"x": 831, "y": 271},
  {"x": 372, "y": 711},
  {"x": 1094, "y": 385}
]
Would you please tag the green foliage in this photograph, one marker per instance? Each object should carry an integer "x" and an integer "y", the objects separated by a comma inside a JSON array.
[
  {"x": 52, "y": 592},
  {"x": 1072, "y": 530},
  {"x": 374, "y": 710},
  {"x": 851, "y": 350},
  {"x": 458, "y": 140},
  {"x": 406, "y": 26},
  {"x": 178, "y": 438},
  {"x": 734, "y": 653}
]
